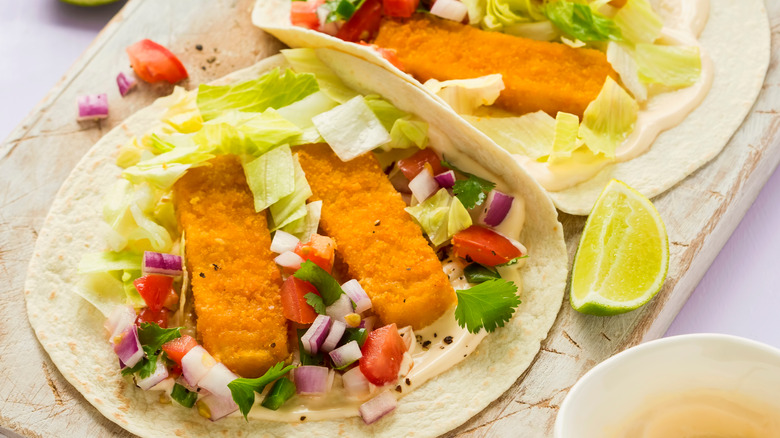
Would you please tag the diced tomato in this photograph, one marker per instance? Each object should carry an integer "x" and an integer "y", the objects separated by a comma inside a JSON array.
[
  {"x": 400, "y": 8},
  {"x": 389, "y": 54},
  {"x": 177, "y": 348},
  {"x": 294, "y": 305},
  {"x": 159, "y": 317},
  {"x": 154, "y": 63},
  {"x": 484, "y": 246},
  {"x": 364, "y": 23},
  {"x": 413, "y": 165},
  {"x": 171, "y": 301},
  {"x": 304, "y": 14},
  {"x": 383, "y": 352},
  {"x": 154, "y": 289},
  {"x": 175, "y": 371},
  {"x": 320, "y": 250}
]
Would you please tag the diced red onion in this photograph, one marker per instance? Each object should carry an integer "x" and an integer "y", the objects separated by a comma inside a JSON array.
[
  {"x": 334, "y": 336},
  {"x": 407, "y": 334},
  {"x": 196, "y": 364},
  {"x": 216, "y": 380},
  {"x": 368, "y": 323},
  {"x": 446, "y": 179},
  {"x": 119, "y": 320},
  {"x": 215, "y": 407},
  {"x": 165, "y": 385},
  {"x": 355, "y": 383},
  {"x": 125, "y": 83},
  {"x": 378, "y": 406},
  {"x": 423, "y": 185},
  {"x": 283, "y": 242},
  {"x": 93, "y": 106},
  {"x": 331, "y": 28},
  {"x": 160, "y": 373},
  {"x": 496, "y": 208},
  {"x": 346, "y": 354},
  {"x": 127, "y": 346},
  {"x": 163, "y": 264},
  {"x": 311, "y": 380},
  {"x": 450, "y": 9},
  {"x": 289, "y": 259},
  {"x": 341, "y": 308},
  {"x": 314, "y": 337},
  {"x": 358, "y": 296}
]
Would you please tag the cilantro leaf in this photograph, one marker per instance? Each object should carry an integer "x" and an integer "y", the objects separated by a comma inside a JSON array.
[
  {"x": 183, "y": 396},
  {"x": 145, "y": 367},
  {"x": 514, "y": 261},
  {"x": 243, "y": 390},
  {"x": 152, "y": 335},
  {"x": 472, "y": 191},
  {"x": 580, "y": 22},
  {"x": 489, "y": 305},
  {"x": 341, "y": 9},
  {"x": 315, "y": 301},
  {"x": 326, "y": 285},
  {"x": 476, "y": 273}
]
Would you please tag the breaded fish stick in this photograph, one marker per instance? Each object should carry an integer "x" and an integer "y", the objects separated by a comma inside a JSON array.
[
  {"x": 235, "y": 282},
  {"x": 378, "y": 241},
  {"x": 538, "y": 75}
]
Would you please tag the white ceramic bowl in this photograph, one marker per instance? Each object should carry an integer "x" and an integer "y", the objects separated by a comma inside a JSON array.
[{"x": 618, "y": 388}]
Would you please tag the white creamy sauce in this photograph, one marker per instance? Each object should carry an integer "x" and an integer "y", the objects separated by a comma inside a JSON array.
[{"x": 663, "y": 111}]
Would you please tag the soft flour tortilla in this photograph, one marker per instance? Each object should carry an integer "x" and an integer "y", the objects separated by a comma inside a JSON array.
[
  {"x": 736, "y": 38},
  {"x": 71, "y": 330}
]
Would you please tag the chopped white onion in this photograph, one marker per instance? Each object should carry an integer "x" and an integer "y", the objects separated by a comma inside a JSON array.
[
  {"x": 358, "y": 296},
  {"x": 215, "y": 407},
  {"x": 166, "y": 385},
  {"x": 346, "y": 354},
  {"x": 339, "y": 309},
  {"x": 496, "y": 208},
  {"x": 283, "y": 242},
  {"x": 216, "y": 380},
  {"x": 196, "y": 364},
  {"x": 368, "y": 323},
  {"x": 119, "y": 320},
  {"x": 450, "y": 9},
  {"x": 125, "y": 83},
  {"x": 93, "y": 106},
  {"x": 355, "y": 383},
  {"x": 160, "y": 373},
  {"x": 289, "y": 259},
  {"x": 314, "y": 337},
  {"x": 311, "y": 380},
  {"x": 160, "y": 263},
  {"x": 423, "y": 185},
  {"x": 127, "y": 346},
  {"x": 378, "y": 406},
  {"x": 334, "y": 336}
]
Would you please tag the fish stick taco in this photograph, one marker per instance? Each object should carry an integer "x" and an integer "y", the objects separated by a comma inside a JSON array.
[
  {"x": 309, "y": 246},
  {"x": 580, "y": 92}
]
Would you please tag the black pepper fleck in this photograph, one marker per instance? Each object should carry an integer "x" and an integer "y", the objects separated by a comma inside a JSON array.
[
  {"x": 216, "y": 268},
  {"x": 273, "y": 344},
  {"x": 404, "y": 300},
  {"x": 408, "y": 269},
  {"x": 494, "y": 253},
  {"x": 435, "y": 335},
  {"x": 464, "y": 355},
  {"x": 460, "y": 278},
  {"x": 303, "y": 417},
  {"x": 398, "y": 389},
  {"x": 212, "y": 59},
  {"x": 469, "y": 259},
  {"x": 198, "y": 46},
  {"x": 426, "y": 344},
  {"x": 408, "y": 382},
  {"x": 448, "y": 340},
  {"x": 202, "y": 275}
]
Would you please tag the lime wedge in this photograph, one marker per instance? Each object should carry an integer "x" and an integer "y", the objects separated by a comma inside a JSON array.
[
  {"x": 88, "y": 2},
  {"x": 623, "y": 256}
]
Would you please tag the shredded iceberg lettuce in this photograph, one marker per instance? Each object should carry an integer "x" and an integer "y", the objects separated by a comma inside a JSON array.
[
  {"x": 501, "y": 13},
  {"x": 293, "y": 206},
  {"x": 109, "y": 261},
  {"x": 673, "y": 66},
  {"x": 638, "y": 22},
  {"x": 579, "y": 22},
  {"x": 301, "y": 112},
  {"x": 306, "y": 61},
  {"x": 407, "y": 132},
  {"x": 248, "y": 133},
  {"x": 530, "y": 134},
  {"x": 620, "y": 57},
  {"x": 608, "y": 119},
  {"x": 304, "y": 227},
  {"x": 182, "y": 113},
  {"x": 351, "y": 129},
  {"x": 441, "y": 216},
  {"x": 270, "y": 177},
  {"x": 271, "y": 90},
  {"x": 565, "y": 137},
  {"x": 466, "y": 95}
]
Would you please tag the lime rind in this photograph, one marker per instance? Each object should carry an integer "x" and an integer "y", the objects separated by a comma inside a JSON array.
[{"x": 594, "y": 302}]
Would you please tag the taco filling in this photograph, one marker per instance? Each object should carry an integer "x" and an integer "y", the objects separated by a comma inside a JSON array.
[
  {"x": 568, "y": 87},
  {"x": 289, "y": 241}
]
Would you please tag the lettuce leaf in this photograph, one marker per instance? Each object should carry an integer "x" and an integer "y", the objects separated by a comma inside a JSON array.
[
  {"x": 608, "y": 119},
  {"x": 565, "y": 138},
  {"x": 466, "y": 95},
  {"x": 441, "y": 216},
  {"x": 407, "y": 132},
  {"x": 638, "y": 22},
  {"x": 530, "y": 134},
  {"x": 109, "y": 261},
  {"x": 181, "y": 113},
  {"x": 502, "y": 13},
  {"x": 304, "y": 227},
  {"x": 270, "y": 177},
  {"x": 301, "y": 112},
  {"x": 351, "y": 129},
  {"x": 241, "y": 133},
  {"x": 306, "y": 61},
  {"x": 293, "y": 206},
  {"x": 620, "y": 57},
  {"x": 271, "y": 90},
  {"x": 579, "y": 22},
  {"x": 674, "y": 66},
  {"x": 385, "y": 111}
]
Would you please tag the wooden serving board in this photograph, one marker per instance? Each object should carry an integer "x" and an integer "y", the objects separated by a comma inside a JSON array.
[{"x": 35, "y": 400}]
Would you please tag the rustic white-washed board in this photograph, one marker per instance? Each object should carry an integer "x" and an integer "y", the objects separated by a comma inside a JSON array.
[{"x": 35, "y": 400}]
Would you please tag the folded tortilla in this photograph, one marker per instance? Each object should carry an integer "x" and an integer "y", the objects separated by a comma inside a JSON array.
[
  {"x": 737, "y": 40},
  {"x": 71, "y": 330}
]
